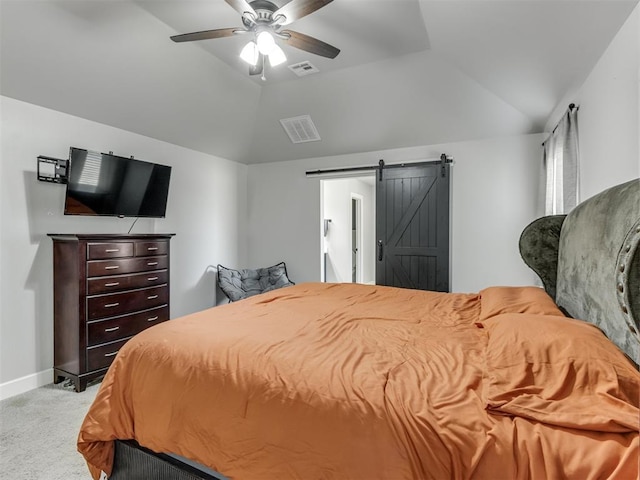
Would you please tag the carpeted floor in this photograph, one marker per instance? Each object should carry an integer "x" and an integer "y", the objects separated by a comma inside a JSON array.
[{"x": 38, "y": 432}]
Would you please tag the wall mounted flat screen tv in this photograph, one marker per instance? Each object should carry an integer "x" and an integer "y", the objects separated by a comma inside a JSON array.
[{"x": 106, "y": 184}]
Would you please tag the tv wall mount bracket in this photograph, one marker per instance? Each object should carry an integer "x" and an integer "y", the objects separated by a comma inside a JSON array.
[{"x": 53, "y": 170}]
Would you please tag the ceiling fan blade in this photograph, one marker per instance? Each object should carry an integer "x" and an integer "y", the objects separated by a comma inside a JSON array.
[
  {"x": 310, "y": 44},
  {"x": 241, "y": 6},
  {"x": 257, "y": 69},
  {"x": 296, "y": 9},
  {"x": 205, "y": 35}
]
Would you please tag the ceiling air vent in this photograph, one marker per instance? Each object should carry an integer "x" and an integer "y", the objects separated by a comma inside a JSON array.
[
  {"x": 303, "y": 68},
  {"x": 300, "y": 129}
]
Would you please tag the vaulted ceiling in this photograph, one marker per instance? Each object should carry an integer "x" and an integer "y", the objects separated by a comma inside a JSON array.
[{"x": 410, "y": 72}]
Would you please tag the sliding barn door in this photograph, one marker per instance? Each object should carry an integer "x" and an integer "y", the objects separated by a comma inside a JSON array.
[{"x": 412, "y": 227}]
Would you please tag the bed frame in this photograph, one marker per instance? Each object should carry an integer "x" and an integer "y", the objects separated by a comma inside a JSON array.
[
  {"x": 588, "y": 261},
  {"x": 134, "y": 462}
]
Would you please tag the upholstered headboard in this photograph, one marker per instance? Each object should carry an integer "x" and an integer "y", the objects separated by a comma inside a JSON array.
[{"x": 589, "y": 262}]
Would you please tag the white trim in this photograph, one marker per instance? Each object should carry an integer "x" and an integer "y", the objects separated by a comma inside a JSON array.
[
  {"x": 26, "y": 383},
  {"x": 323, "y": 235},
  {"x": 358, "y": 220}
]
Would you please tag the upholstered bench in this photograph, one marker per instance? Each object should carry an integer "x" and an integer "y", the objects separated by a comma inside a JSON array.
[{"x": 239, "y": 284}]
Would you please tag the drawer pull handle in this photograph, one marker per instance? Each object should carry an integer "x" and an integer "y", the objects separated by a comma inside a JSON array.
[
  {"x": 151, "y": 279},
  {"x": 112, "y": 329},
  {"x": 111, "y": 354},
  {"x": 152, "y": 297},
  {"x": 110, "y": 305},
  {"x": 112, "y": 267},
  {"x": 152, "y": 248},
  {"x": 112, "y": 284},
  {"x": 152, "y": 263},
  {"x": 112, "y": 250},
  {"x": 152, "y": 319}
]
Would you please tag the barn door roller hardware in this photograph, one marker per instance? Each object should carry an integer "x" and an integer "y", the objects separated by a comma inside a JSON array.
[{"x": 444, "y": 159}]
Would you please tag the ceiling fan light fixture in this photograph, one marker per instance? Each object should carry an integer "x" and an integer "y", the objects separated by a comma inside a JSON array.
[
  {"x": 277, "y": 56},
  {"x": 250, "y": 54},
  {"x": 266, "y": 42}
]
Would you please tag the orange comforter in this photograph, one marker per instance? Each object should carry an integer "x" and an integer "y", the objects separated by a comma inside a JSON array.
[{"x": 339, "y": 381}]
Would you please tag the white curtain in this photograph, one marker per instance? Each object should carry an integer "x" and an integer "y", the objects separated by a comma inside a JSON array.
[{"x": 561, "y": 165}]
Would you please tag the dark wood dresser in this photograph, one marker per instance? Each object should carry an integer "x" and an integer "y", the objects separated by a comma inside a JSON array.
[{"x": 106, "y": 288}]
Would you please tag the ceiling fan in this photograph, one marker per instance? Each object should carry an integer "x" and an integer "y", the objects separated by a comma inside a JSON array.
[{"x": 265, "y": 20}]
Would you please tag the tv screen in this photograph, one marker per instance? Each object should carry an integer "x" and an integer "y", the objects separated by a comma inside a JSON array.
[{"x": 106, "y": 184}]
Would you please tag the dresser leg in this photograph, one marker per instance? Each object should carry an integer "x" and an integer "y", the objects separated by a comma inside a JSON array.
[{"x": 81, "y": 385}]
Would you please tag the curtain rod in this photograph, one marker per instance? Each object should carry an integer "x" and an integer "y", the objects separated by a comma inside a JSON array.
[
  {"x": 571, "y": 107},
  {"x": 381, "y": 165}
]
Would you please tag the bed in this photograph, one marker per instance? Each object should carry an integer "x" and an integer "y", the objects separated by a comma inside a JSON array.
[{"x": 347, "y": 381}]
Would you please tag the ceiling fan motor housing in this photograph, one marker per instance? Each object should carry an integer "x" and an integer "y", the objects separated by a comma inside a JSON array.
[{"x": 264, "y": 10}]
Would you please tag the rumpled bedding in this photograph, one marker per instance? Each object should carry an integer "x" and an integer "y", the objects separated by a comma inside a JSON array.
[{"x": 348, "y": 381}]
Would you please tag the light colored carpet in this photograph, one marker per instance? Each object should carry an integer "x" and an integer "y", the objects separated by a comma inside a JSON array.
[{"x": 38, "y": 432}]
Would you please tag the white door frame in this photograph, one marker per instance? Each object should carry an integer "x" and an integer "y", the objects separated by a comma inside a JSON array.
[{"x": 358, "y": 221}]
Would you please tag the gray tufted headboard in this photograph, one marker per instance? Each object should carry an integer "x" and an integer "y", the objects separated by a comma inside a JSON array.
[{"x": 589, "y": 262}]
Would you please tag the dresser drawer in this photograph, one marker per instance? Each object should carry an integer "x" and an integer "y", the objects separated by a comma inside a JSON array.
[
  {"x": 102, "y": 356},
  {"x": 105, "y": 306},
  {"x": 96, "y": 251},
  {"x": 101, "y": 268},
  {"x": 143, "y": 249},
  {"x": 103, "y": 331},
  {"x": 118, "y": 283}
]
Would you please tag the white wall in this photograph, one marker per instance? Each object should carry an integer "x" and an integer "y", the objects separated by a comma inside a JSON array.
[
  {"x": 206, "y": 210},
  {"x": 494, "y": 196},
  {"x": 337, "y": 206},
  {"x": 608, "y": 120}
]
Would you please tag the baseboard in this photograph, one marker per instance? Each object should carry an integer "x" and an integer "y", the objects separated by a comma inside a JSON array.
[{"x": 26, "y": 383}]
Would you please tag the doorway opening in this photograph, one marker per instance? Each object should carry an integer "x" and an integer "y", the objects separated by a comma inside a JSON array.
[{"x": 348, "y": 229}]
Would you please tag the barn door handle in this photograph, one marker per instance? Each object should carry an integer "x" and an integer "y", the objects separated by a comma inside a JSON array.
[{"x": 379, "y": 250}]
